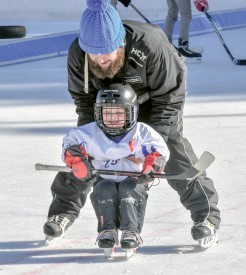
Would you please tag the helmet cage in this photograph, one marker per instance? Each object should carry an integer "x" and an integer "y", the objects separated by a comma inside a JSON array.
[{"x": 130, "y": 118}]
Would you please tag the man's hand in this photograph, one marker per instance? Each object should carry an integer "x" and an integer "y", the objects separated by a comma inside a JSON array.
[
  {"x": 76, "y": 158},
  {"x": 154, "y": 163},
  {"x": 125, "y": 2},
  {"x": 201, "y": 5}
]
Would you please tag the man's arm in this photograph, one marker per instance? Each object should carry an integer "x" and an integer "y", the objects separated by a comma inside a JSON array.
[{"x": 166, "y": 75}]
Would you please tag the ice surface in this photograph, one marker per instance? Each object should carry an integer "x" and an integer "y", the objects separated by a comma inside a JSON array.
[{"x": 36, "y": 111}]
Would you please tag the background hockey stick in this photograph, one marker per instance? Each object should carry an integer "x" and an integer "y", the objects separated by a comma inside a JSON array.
[
  {"x": 139, "y": 12},
  {"x": 193, "y": 172},
  {"x": 234, "y": 60}
]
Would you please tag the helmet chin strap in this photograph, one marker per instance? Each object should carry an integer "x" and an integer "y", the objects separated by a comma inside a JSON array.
[
  {"x": 114, "y": 132},
  {"x": 116, "y": 137}
]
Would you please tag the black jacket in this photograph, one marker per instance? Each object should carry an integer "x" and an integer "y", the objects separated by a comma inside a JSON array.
[{"x": 153, "y": 67}]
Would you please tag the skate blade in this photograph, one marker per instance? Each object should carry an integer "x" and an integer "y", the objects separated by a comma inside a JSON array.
[
  {"x": 51, "y": 240},
  {"x": 129, "y": 253},
  {"x": 208, "y": 242},
  {"x": 191, "y": 60},
  {"x": 108, "y": 253},
  {"x": 198, "y": 50}
]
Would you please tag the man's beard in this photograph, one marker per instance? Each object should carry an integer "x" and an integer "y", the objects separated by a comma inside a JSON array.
[{"x": 113, "y": 68}]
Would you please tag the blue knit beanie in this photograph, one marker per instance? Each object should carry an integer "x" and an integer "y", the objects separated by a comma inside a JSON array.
[{"x": 101, "y": 29}]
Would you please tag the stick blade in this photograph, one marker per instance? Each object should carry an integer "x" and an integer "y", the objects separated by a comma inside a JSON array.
[
  {"x": 239, "y": 62},
  {"x": 200, "y": 166},
  {"x": 197, "y": 169},
  {"x": 205, "y": 161}
]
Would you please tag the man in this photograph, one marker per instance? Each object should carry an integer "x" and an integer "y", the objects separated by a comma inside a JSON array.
[
  {"x": 184, "y": 8},
  {"x": 107, "y": 52}
]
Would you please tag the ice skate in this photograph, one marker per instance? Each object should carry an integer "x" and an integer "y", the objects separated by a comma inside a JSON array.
[
  {"x": 107, "y": 240},
  {"x": 55, "y": 228},
  {"x": 190, "y": 54},
  {"x": 130, "y": 241},
  {"x": 205, "y": 233}
]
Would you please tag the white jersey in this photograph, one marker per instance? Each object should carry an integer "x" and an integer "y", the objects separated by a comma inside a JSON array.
[{"x": 125, "y": 154}]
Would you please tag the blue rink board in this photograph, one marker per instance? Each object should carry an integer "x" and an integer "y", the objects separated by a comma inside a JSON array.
[{"x": 55, "y": 45}]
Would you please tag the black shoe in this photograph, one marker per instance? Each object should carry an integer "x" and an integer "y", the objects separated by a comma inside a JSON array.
[
  {"x": 183, "y": 48},
  {"x": 107, "y": 238},
  {"x": 130, "y": 239},
  {"x": 56, "y": 226}
]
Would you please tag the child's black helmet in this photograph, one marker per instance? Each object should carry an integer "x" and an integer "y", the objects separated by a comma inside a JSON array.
[{"x": 117, "y": 95}]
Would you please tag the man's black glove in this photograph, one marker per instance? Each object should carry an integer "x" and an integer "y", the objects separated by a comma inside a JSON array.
[{"x": 125, "y": 2}]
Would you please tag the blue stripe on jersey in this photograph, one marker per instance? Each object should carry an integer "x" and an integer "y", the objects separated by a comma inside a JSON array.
[
  {"x": 145, "y": 151},
  {"x": 153, "y": 149}
]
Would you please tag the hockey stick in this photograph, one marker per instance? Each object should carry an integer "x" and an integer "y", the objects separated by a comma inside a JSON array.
[
  {"x": 234, "y": 60},
  {"x": 193, "y": 172},
  {"x": 139, "y": 12}
]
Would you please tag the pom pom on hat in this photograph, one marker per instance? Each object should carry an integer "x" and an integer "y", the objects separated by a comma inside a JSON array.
[
  {"x": 96, "y": 5},
  {"x": 101, "y": 29}
]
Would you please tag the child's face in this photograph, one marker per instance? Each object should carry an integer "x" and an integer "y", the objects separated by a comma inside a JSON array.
[{"x": 114, "y": 117}]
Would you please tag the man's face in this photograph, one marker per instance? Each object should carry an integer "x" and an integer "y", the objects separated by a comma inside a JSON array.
[
  {"x": 107, "y": 65},
  {"x": 114, "y": 117}
]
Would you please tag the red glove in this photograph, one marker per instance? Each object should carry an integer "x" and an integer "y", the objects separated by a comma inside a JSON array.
[
  {"x": 201, "y": 5},
  {"x": 76, "y": 158},
  {"x": 154, "y": 163}
]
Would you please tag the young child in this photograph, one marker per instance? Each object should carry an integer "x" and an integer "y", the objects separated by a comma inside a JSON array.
[{"x": 116, "y": 141}]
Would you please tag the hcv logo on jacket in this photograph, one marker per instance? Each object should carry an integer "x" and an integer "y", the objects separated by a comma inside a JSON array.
[
  {"x": 138, "y": 57},
  {"x": 139, "y": 54}
]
